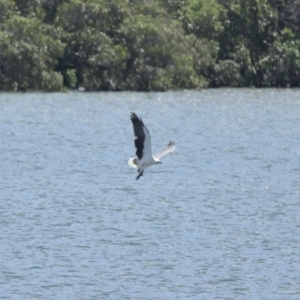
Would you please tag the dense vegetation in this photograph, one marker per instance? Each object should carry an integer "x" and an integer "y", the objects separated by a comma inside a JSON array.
[{"x": 147, "y": 45}]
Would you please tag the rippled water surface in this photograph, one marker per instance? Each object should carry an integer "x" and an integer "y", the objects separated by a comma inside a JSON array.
[{"x": 219, "y": 219}]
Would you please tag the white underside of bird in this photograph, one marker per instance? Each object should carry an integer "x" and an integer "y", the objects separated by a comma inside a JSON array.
[{"x": 143, "y": 163}]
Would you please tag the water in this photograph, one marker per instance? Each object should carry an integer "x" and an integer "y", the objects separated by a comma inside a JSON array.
[{"x": 219, "y": 219}]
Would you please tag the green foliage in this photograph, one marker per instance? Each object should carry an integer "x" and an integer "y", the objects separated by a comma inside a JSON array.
[
  {"x": 202, "y": 18},
  {"x": 29, "y": 8},
  {"x": 157, "y": 59},
  {"x": 281, "y": 66},
  {"x": 205, "y": 54},
  {"x": 227, "y": 74},
  {"x": 173, "y": 7},
  {"x": 88, "y": 31},
  {"x": 148, "y": 44},
  {"x": 250, "y": 29},
  {"x": 7, "y": 8},
  {"x": 288, "y": 14},
  {"x": 28, "y": 56},
  {"x": 50, "y": 9},
  {"x": 159, "y": 53}
]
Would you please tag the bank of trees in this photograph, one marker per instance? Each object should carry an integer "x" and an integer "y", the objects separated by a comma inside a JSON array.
[{"x": 147, "y": 45}]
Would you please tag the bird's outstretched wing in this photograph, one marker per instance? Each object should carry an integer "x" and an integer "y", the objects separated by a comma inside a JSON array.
[
  {"x": 143, "y": 139},
  {"x": 169, "y": 149}
]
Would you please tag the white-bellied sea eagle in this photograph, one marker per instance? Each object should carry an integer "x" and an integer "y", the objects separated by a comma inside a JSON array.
[{"x": 143, "y": 147}]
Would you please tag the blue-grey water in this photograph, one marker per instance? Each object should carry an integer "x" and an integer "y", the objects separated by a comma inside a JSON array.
[{"x": 218, "y": 219}]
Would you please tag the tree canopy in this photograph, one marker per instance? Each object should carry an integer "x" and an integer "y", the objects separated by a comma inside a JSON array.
[{"x": 147, "y": 45}]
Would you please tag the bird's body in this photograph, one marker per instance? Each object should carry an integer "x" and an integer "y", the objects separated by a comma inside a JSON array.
[{"x": 143, "y": 147}]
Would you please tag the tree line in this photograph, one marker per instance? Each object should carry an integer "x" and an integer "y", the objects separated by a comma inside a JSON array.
[{"x": 147, "y": 45}]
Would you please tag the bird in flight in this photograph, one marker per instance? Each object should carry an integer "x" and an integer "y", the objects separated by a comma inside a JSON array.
[{"x": 143, "y": 147}]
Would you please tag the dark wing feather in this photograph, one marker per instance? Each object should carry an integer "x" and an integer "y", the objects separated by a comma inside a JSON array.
[{"x": 138, "y": 129}]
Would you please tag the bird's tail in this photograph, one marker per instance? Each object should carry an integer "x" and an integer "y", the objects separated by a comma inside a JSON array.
[{"x": 133, "y": 163}]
